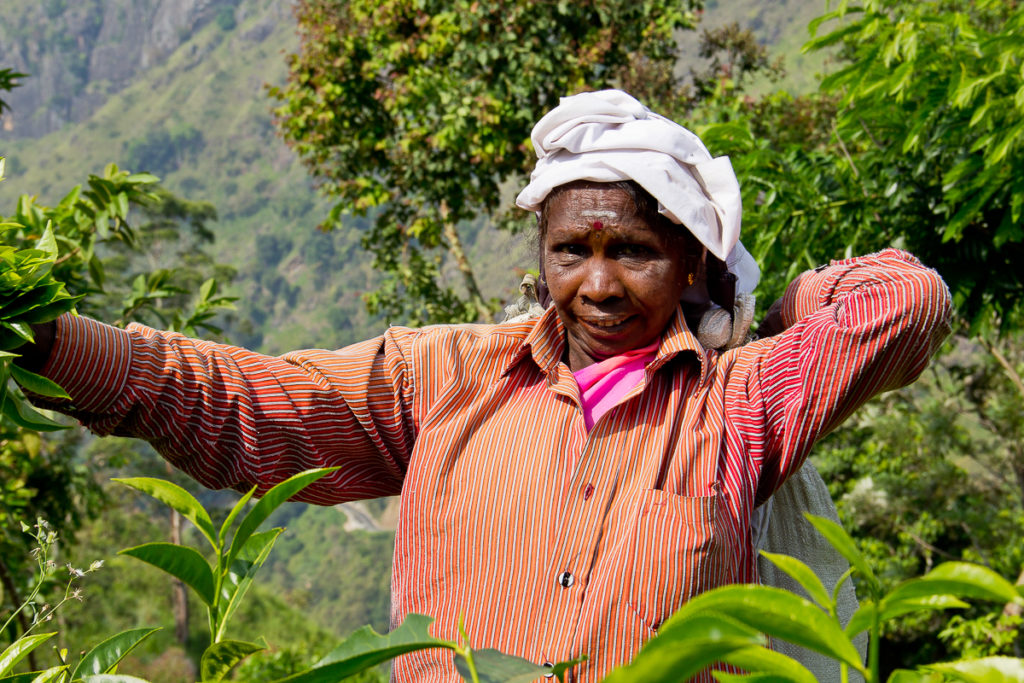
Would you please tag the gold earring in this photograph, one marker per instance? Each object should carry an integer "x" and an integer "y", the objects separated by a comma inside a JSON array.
[{"x": 691, "y": 278}]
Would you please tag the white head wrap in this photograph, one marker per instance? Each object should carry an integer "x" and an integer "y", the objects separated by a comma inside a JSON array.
[{"x": 607, "y": 136}]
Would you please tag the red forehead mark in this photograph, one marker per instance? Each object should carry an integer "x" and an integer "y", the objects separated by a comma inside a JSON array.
[{"x": 597, "y": 225}]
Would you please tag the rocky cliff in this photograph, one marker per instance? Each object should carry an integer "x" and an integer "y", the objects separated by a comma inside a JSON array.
[{"x": 80, "y": 53}]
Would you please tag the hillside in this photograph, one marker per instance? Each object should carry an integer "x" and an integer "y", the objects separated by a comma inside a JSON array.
[{"x": 178, "y": 88}]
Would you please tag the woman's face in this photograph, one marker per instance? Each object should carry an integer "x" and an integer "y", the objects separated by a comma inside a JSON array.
[{"x": 615, "y": 280}]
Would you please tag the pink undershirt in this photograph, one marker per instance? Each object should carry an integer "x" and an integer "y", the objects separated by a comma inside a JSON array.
[{"x": 603, "y": 385}]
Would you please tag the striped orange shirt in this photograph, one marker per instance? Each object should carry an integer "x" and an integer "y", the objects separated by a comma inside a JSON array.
[{"x": 550, "y": 541}]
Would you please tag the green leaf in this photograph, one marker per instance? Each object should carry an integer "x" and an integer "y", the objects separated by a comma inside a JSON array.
[
  {"x": 907, "y": 676},
  {"x": 690, "y": 646},
  {"x": 23, "y": 415},
  {"x": 861, "y": 619},
  {"x": 270, "y": 501},
  {"x": 724, "y": 677},
  {"x": 761, "y": 660},
  {"x": 22, "y": 678},
  {"x": 47, "y": 243},
  {"x": 50, "y": 311},
  {"x": 960, "y": 579},
  {"x": 113, "y": 678},
  {"x": 20, "y": 648},
  {"x": 494, "y": 666},
  {"x": 121, "y": 205},
  {"x": 803, "y": 575},
  {"x": 841, "y": 541},
  {"x": 208, "y": 287},
  {"x": 366, "y": 648},
  {"x": 240, "y": 576},
  {"x": 179, "y": 561},
  {"x": 103, "y": 658},
  {"x": 220, "y": 658},
  {"x": 235, "y": 511},
  {"x": 142, "y": 179},
  {"x": 95, "y": 266},
  {"x": 54, "y": 673},
  {"x": 37, "y": 384},
  {"x": 985, "y": 670},
  {"x": 30, "y": 299},
  {"x": 178, "y": 499},
  {"x": 776, "y": 612},
  {"x": 561, "y": 668},
  {"x": 20, "y": 329}
]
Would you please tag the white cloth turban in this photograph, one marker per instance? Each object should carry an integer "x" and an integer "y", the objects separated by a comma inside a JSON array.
[{"x": 607, "y": 136}]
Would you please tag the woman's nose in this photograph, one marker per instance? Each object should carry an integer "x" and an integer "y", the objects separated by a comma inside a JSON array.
[{"x": 600, "y": 280}]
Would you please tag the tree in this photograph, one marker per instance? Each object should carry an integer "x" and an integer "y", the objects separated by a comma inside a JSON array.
[
  {"x": 8, "y": 81},
  {"x": 914, "y": 142},
  {"x": 52, "y": 256},
  {"x": 420, "y": 112},
  {"x": 931, "y": 111}
]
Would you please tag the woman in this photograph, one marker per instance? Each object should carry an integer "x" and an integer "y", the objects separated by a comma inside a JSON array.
[{"x": 568, "y": 481}]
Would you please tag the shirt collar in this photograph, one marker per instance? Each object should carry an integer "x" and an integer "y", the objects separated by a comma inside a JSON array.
[
  {"x": 546, "y": 344},
  {"x": 677, "y": 339}
]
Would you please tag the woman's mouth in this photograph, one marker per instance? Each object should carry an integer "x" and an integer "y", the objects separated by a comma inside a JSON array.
[{"x": 607, "y": 323}]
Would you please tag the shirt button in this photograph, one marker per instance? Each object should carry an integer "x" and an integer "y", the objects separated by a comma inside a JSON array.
[
  {"x": 565, "y": 579},
  {"x": 549, "y": 674}
]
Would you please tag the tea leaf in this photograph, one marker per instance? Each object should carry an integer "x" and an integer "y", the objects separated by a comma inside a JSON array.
[
  {"x": 960, "y": 579},
  {"x": 366, "y": 648},
  {"x": 776, "y": 612},
  {"x": 270, "y": 501},
  {"x": 104, "y": 657},
  {"x": 494, "y": 666},
  {"x": 179, "y": 561},
  {"x": 220, "y": 658},
  {"x": 235, "y": 585},
  {"x": 803, "y": 575},
  {"x": 20, "y": 648},
  {"x": 37, "y": 384},
  {"x": 177, "y": 498},
  {"x": 985, "y": 670}
]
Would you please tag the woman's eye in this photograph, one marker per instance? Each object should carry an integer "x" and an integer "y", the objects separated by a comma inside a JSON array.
[
  {"x": 633, "y": 250},
  {"x": 571, "y": 249}
]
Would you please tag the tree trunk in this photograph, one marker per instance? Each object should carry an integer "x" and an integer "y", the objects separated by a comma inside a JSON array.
[
  {"x": 451, "y": 234},
  {"x": 1012, "y": 609},
  {"x": 180, "y": 594},
  {"x": 180, "y": 599},
  {"x": 12, "y": 590}
]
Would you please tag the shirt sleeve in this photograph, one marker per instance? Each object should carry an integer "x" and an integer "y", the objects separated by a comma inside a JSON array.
[
  {"x": 234, "y": 418},
  {"x": 855, "y": 328}
]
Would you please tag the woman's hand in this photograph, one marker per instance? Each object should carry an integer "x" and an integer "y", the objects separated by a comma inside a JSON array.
[
  {"x": 772, "y": 323},
  {"x": 33, "y": 356}
]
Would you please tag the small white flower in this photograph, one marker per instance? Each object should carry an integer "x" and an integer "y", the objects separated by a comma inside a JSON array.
[
  {"x": 95, "y": 565},
  {"x": 78, "y": 573},
  {"x": 77, "y": 594}
]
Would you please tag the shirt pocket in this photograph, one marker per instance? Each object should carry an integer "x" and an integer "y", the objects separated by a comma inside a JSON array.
[{"x": 675, "y": 554}]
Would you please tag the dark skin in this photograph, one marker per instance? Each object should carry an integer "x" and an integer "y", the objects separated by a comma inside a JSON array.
[
  {"x": 33, "y": 356},
  {"x": 615, "y": 288}
]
